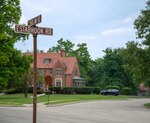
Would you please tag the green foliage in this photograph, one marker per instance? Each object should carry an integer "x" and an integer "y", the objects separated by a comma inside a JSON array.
[
  {"x": 83, "y": 90},
  {"x": 141, "y": 54},
  {"x": 21, "y": 90},
  {"x": 66, "y": 45},
  {"x": 10, "y": 59},
  {"x": 113, "y": 87},
  {"x": 96, "y": 90},
  {"x": 147, "y": 105},
  {"x": 126, "y": 91},
  {"x": 68, "y": 90},
  {"x": 56, "y": 90},
  {"x": 76, "y": 90},
  {"x": 142, "y": 24}
]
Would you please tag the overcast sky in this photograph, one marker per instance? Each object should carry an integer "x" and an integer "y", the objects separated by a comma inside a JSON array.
[{"x": 98, "y": 23}]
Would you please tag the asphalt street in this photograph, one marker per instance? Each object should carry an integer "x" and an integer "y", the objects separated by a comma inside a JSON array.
[{"x": 124, "y": 111}]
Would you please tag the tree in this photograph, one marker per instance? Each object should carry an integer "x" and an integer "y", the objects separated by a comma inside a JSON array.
[
  {"x": 84, "y": 60},
  {"x": 10, "y": 14},
  {"x": 138, "y": 62},
  {"x": 18, "y": 67},
  {"x": 96, "y": 72},
  {"x": 113, "y": 69},
  {"x": 62, "y": 44},
  {"x": 142, "y": 24}
]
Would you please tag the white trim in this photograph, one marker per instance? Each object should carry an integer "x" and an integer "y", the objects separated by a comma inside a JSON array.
[{"x": 60, "y": 79}]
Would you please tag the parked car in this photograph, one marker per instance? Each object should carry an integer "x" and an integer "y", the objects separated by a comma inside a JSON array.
[{"x": 110, "y": 92}]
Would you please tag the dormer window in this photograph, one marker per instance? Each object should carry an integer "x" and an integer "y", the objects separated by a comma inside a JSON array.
[{"x": 47, "y": 61}]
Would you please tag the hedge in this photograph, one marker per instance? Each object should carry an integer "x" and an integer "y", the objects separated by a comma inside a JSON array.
[
  {"x": 96, "y": 90},
  {"x": 68, "y": 90},
  {"x": 83, "y": 90},
  {"x": 56, "y": 90},
  {"x": 22, "y": 90},
  {"x": 126, "y": 91},
  {"x": 75, "y": 90}
]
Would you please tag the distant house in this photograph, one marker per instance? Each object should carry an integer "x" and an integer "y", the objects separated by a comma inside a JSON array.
[
  {"x": 63, "y": 70},
  {"x": 144, "y": 90}
]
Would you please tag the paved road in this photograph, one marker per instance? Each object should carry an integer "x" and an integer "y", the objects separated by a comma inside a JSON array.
[{"x": 126, "y": 111}]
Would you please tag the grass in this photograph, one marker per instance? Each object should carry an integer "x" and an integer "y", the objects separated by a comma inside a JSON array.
[
  {"x": 57, "y": 99},
  {"x": 18, "y": 99},
  {"x": 14, "y": 99},
  {"x": 147, "y": 105}
]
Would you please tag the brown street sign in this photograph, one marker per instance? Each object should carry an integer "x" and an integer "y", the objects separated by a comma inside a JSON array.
[
  {"x": 22, "y": 29},
  {"x": 45, "y": 31},
  {"x": 33, "y": 30},
  {"x": 35, "y": 20}
]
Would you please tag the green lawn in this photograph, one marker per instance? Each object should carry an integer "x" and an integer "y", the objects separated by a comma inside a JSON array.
[
  {"x": 18, "y": 99},
  {"x": 147, "y": 105}
]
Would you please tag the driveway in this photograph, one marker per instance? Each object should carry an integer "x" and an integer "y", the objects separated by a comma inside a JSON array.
[{"x": 125, "y": 111}]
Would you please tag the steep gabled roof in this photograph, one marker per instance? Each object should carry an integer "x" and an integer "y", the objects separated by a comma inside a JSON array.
[{"x": 67, "y": 62}]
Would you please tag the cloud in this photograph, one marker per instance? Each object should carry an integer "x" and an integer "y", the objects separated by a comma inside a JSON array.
[
  {"x": 85, "y": 37},
  {"x": 117, "y": 31},
  {"x": 36, "y": 6},
  {"x": 127, "y": 20}
]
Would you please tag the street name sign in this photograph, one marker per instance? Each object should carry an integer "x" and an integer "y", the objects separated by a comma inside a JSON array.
[
  {"x": 35, "y": 20},
  {"x": 33, "y": 30}
]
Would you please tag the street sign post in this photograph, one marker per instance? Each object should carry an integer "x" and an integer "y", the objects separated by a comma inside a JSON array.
[
  {"x": 35, "y": 20},
  {"x": 31, "y": 28}
]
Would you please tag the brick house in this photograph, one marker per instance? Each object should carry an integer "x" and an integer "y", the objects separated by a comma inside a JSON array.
[{"x": 63, "y": 70}]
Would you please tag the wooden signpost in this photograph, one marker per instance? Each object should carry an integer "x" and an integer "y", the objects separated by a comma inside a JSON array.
[{"x": 31, "y": 28}]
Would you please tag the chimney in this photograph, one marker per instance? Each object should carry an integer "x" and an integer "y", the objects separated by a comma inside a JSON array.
[{"x": 63, "y": 53}]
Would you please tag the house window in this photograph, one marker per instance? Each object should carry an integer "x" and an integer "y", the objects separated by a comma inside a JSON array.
[
  {"x": 51, "y": 71},
  {"x": 58, "y": 71},
  {"x": 58, "y": 82},
  {"x": 47, "y": 61},
  {"x": 41, "y": 71}
]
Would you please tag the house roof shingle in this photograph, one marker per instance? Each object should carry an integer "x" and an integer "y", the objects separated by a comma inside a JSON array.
[{"x": 68, "y": 62}]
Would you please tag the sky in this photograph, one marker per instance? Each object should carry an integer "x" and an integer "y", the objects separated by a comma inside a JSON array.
[{"x": 98, "y": 23}]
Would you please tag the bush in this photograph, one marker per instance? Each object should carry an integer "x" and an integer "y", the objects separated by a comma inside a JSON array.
[
  {"x": 68, "y": 90},
  {"x": 96, "y": 90},
  {"x": 113, "y": 87},
  {"x": 14, "y": 91},
  {"x": 30, "y": 89},
  {"x": 126, "y": 91},
  {"x": 55, "y": 89},
  {"x": 1, "y": 89},
  {"x": 22, "y": 90},
  {"x": 83, "y": 90}
]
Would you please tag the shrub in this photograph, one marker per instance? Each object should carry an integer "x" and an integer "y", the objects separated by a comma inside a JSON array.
[
  {"x": 1, "y": 89},
  {"x": 96, "y": 90},
  {"x": 22, "y": 90},
  {"x": 55, "y": 89},
  {"x": 83, "y": 90},
  {"x": 126, "y": 91},
  {"x": 68, "y": 90},
  {"x": 30, "y": 89},
  {"x": 14, "y": 91}
]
